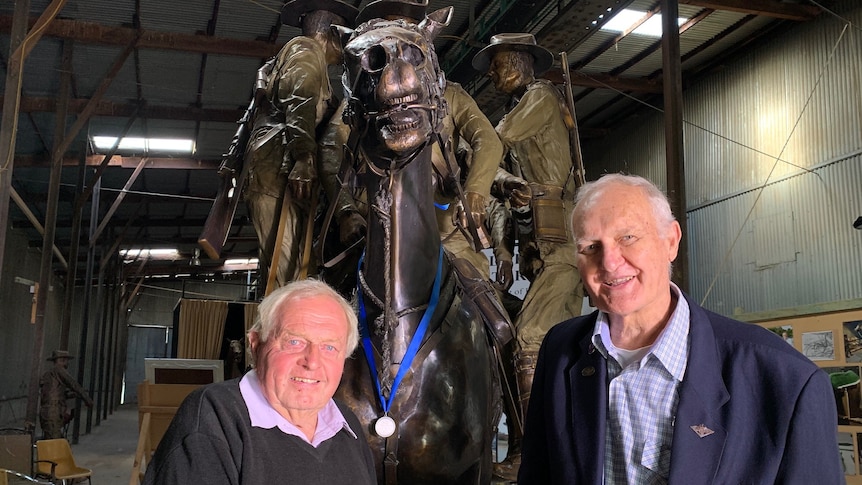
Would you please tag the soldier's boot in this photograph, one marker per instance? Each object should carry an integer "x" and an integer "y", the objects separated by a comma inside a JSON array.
[{"x": 525, "y": 368}]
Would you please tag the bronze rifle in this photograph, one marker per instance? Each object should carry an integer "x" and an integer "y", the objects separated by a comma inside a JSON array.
[{"x": 572, "y": 125}]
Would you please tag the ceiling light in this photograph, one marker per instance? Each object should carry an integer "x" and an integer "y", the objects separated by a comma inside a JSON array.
[
  {"x": 147, "y": 145},
  {"x": 149, "y": 253},
  {"x": 626, "y": 18},
  {"x": 231, "y": 262}
]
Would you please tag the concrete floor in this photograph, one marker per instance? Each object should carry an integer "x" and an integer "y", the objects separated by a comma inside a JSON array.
[{"x": 109, "y": 449}]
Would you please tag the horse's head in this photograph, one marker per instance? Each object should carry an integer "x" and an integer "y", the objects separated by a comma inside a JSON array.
[{"x": 394, "y": 84}]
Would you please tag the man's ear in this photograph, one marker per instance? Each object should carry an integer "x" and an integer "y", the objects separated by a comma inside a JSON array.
[
  {"x": 253, "y": 342},
  {"x": 674, "y": 236}
]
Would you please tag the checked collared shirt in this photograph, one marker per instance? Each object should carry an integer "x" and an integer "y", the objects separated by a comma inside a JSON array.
[{"x": 642, "y": 400}]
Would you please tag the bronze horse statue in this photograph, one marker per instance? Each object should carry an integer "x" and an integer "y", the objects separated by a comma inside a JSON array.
[{"x": 426, "y": 388}]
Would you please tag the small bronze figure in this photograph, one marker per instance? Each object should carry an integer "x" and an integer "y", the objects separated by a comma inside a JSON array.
[{"x": 56, "y": 386}]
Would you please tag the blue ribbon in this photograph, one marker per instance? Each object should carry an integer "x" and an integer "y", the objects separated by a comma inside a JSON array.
[
  {"x": 442, "y": 207},
  {"x": 415, "y": 342}
]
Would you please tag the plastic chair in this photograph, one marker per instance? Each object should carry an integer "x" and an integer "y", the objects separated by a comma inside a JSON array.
[{"x": 55, "y": 460}]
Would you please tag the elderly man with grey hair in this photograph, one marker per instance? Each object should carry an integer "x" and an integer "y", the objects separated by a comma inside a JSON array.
[
  {"x": 278, "y": 423},
  {"x": 653, "y": 388}
]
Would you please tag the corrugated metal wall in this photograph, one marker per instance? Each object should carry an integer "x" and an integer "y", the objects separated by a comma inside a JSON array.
[
  {"x": 790, "y": 244},
  {"x": 773, "y": 155}
]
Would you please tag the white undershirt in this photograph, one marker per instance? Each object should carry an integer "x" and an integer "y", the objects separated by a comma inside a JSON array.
[{"x": 623, "y": 356}]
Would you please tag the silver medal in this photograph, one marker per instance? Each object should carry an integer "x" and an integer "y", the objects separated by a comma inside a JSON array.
[{"x": 384, "y": 427}]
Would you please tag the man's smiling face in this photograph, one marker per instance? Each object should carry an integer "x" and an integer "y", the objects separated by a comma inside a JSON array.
[
  {"x": 300, "y": 364},
  {"x": 624, "y": 254}
]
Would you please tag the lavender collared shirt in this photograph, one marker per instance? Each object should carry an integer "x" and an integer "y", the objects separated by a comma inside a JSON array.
[{"x": 329, "y": 419}]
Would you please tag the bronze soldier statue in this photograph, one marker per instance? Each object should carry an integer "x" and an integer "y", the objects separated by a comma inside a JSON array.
[
  {"x": 283, "y": 146},
  {"x": 56, "y": 386},
  {"x": 536, "y": 139}
]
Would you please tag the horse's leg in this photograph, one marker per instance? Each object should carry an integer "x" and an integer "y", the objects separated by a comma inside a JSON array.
[
  {"x": 482, "y": 470},
  {"x": 476, "y": 474}
]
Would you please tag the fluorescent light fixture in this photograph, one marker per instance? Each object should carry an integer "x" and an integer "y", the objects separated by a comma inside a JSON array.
[
  {"x": 174, "y": 145},
  {"x": 149, "y": 253},
  {"x": 623, "y": 20},
  {"x": 232, "y": 262}
]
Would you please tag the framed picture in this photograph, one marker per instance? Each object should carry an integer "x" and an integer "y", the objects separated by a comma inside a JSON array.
[
  {"x": 852, "y": 340},
  {"x": 818, "y": 345},
  {"x": 785, "y": 332},
  {"x": 848, "y": 393},
  {"x": 833, "y": 340}
]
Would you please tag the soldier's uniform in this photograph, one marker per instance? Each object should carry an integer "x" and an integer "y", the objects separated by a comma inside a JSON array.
[
  {"x": 298, "y": 90},
  {"x": 466, "y": 122},
  {"x": 538, "y": 144},
  {"x": 284, "y": 134}
]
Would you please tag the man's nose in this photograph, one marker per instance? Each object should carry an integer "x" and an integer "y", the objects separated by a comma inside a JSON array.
[
  {"x": 311, "y": 356},
  {"x": 612, "y": 257}
]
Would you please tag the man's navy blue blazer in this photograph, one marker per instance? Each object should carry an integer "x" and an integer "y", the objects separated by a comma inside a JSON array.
[{"x": 771, "y": 411}]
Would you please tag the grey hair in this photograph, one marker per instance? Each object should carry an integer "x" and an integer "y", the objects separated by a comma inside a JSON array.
[
  {"x": 268, "y": 311},
  {"x": 590, "y": 192}
]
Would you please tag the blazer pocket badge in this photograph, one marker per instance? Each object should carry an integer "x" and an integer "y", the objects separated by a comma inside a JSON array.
[{"x": 701, "y": 430}]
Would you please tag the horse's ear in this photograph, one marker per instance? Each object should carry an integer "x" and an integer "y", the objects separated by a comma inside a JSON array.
[
  {"x": 343, "y": 33},
  {"x": 436, "y": 21}
]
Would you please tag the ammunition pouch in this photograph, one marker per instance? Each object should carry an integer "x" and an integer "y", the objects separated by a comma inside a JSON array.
[{"x": 549, "y": 213}]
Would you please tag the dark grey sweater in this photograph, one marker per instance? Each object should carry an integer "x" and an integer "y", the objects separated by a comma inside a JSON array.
[{"x": 211, "y": 441}]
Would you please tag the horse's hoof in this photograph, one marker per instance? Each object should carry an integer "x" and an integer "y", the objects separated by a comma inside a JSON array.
[{"x": 508, "y": 468}]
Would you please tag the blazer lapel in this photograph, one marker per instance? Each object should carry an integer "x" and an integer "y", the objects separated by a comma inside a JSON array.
[
  {"x": 587, "y": 379},
  {"x": 699, "y": 431}
]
